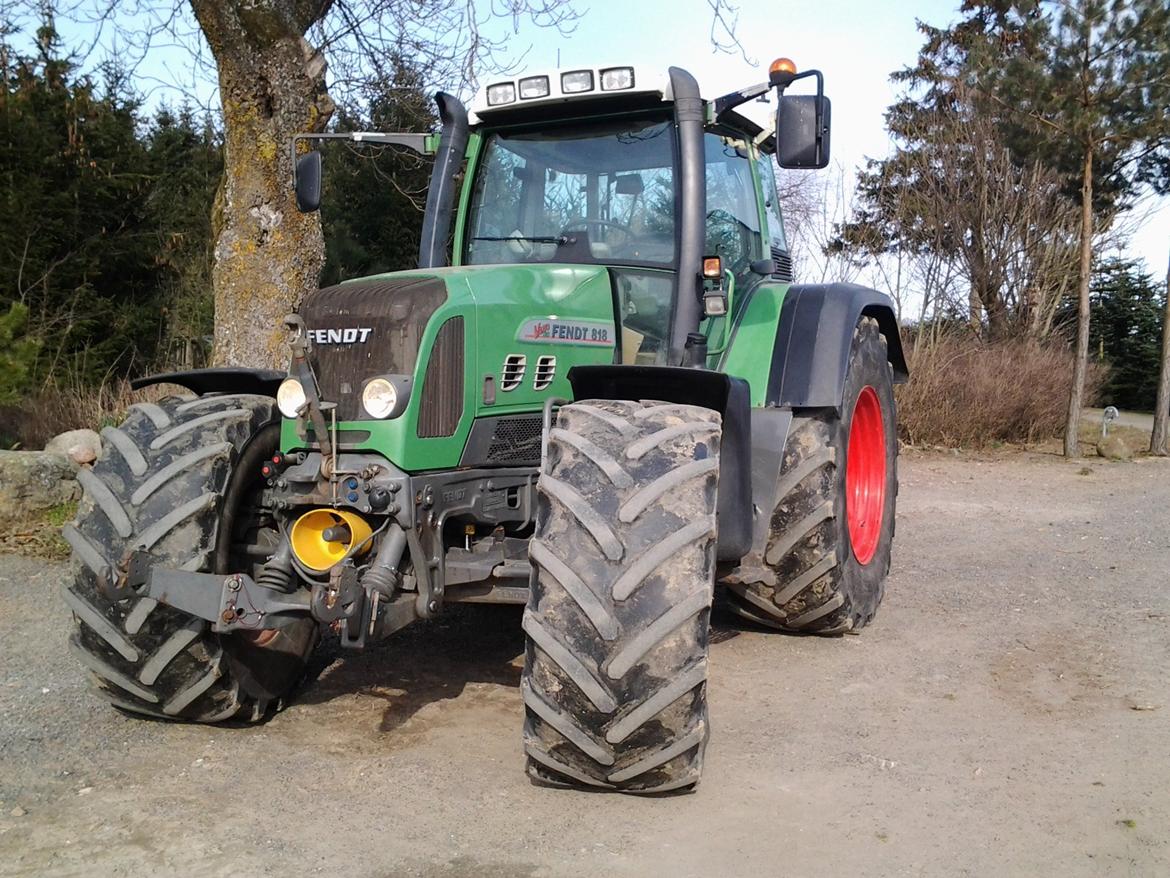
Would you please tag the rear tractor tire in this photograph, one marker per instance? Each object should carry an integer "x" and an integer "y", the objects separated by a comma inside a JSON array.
[
  {"x": 180, "y": 479},
  {"x": 828, "y": 552},
  {"x": 623, "y": 557}
]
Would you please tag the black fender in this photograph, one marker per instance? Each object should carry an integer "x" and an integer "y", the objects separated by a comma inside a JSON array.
[
  {"x": 813, "y": 339},
  {"x": 230, "y": 379},
  {"x": 729, "y": 396}
]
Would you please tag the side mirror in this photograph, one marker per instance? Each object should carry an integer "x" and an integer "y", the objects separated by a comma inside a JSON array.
[
  {"x": 307, "y": 182},
  {"x": 802, "y": 131}
]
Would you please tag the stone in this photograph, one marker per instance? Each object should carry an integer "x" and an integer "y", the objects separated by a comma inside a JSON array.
[
  {"x": 32, "y": 482},
  {"x": 1113, "y": 448},
  {"x": 80, "y": 446}
]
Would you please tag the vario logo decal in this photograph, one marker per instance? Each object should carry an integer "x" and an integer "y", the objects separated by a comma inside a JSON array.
[{"x": 553, "y": 330}]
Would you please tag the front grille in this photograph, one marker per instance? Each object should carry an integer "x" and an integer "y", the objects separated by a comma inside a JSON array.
[
  {"x": 515, "y": 440},
  {"x": 783, "y": 264},
  {"x": 509, "y": 440},
  {"x": 441, "y": 404},
  {"x": 546, "y": 370},
  {"x": 513, "y": 372},
  {"x": 366, "y": 328}
]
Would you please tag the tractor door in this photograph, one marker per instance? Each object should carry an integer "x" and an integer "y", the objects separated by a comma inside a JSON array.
[{"x": 733, "y": 212}]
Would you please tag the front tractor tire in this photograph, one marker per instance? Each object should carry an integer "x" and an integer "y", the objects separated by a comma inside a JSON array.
[
  {"x": 828, "y": 551},
  {"x": 179, "y": 479},
  {"x": 614, "y": 682}
]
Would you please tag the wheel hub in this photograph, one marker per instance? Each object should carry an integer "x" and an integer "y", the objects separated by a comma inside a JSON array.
[{"x": 865, "y": 475}]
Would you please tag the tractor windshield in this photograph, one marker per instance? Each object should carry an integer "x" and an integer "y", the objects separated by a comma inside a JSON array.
[{"x": 596, "y": 194}]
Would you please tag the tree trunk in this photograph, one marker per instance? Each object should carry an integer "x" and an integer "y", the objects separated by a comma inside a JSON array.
[
  {"x": 1160, "y": 438},
  {"x": 1076, "y": 397},
  {"x": 974, "y": 312},
  {"x": 267, "y": 253}
]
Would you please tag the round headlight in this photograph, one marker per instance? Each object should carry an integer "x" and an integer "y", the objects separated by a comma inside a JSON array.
[
  {"x": 290, "y": 397},
  {"x": 379, "y": 398}
]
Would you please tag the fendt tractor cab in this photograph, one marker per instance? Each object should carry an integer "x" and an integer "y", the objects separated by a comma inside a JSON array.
[{"x": 600, "y": 395}]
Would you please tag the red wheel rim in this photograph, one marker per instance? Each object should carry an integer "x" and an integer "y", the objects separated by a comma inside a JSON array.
[{"x": 865, "y": 475}]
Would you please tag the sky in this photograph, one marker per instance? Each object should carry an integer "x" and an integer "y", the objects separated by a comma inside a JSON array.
[{"x": 856, "y": 43}]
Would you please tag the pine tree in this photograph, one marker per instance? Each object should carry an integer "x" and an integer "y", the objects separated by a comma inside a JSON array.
[
  {"x": 1094, "y": 84},
  {"x": 1126, "y": 332}
]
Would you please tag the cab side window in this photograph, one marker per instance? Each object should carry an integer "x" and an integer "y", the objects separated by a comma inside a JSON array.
[
  {"x": 733, "y": 218},
  {"x": 772, "y": 204}
]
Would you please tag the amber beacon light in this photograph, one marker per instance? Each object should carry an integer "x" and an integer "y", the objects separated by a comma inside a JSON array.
[{"x": 781, "y": 72}]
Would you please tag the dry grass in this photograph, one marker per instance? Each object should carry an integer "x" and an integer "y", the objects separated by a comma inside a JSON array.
[
  {"x": 41, "y": 537},
  {"x": 970, "y": 394},
  {"x": 55, "y": 409}
]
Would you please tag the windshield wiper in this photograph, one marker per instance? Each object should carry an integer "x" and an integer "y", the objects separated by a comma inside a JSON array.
[{"x": 536, "y": 239}]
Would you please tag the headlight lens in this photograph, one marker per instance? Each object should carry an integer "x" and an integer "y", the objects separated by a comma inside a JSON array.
[
  {"x": 290, "y": 397},
  {"x": 379, "y": 398},
  {"x": 501, "y": 93},
  {"x": 617, "y": 78},
  {"x": 577, "y": 81},
  {"x": 534, "y": 87}
]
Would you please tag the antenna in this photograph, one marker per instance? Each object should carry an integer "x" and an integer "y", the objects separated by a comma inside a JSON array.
[{"x": 558, "y": 57}]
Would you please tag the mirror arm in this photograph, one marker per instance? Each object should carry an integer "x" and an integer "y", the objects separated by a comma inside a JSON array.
[
  {"x": 729, "y": 102},
  {"x": 415, "y": 142}
]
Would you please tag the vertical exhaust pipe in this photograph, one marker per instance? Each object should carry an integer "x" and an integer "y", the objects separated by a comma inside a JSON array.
[
  {"x": 690, "y": 210},
  {"x": 436, "y": 230}
]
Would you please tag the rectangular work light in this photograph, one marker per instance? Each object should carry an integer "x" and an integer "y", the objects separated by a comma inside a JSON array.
[
  {"x": 577, "y": 81},
  {"x": 533, "y": 87},
  {"x": 617, "y": 78},
  {"x": 501, "y": 93}
]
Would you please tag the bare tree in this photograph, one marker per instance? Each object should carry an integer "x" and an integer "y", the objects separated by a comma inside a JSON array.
[
  {"x": 814, "y": 206},
  {"x": 1160, "y": 437},
  {"x": 959, "y": 218},
  {"x": 1095, "y": 87}
]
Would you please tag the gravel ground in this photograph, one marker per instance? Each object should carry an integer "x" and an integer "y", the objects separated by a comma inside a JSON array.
[{"x": 1008, "y": 713}]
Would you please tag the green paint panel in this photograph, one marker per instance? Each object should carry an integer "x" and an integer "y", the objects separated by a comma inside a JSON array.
[
  {"x": 561, "y": 311},
  {"x": 749, "y": 355}
]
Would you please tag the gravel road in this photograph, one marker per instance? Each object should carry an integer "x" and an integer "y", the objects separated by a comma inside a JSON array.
[{"x": 1008, "y": 713}]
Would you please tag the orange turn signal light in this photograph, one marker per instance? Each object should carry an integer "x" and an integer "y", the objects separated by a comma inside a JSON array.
[
  {"x": 783, "y": 65},
  {"x": 712, "y": 268}
]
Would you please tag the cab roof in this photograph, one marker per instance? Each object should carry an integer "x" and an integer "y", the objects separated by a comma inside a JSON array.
[{"x": 551, "y": 94}]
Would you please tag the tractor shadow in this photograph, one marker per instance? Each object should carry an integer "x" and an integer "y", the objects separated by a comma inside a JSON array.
[
  {"x": 434, "y": 661},
  {"x": 425, "y": 663}
]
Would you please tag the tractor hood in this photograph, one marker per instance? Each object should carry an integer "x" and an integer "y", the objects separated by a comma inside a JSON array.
[{"x": 474, "y": 341}]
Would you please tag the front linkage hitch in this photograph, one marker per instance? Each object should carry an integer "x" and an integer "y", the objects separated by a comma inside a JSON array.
[{"x": 236, "y": 602}]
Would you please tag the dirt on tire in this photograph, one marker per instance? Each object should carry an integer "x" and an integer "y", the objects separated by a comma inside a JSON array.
[
  {"x": 161, "y": 486},
  {"x": 614, "y": 685},
  {"x": 816, "y": 583}
]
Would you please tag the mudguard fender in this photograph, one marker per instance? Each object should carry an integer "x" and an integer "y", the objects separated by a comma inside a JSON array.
[
  {"x": 261, "y": 382},
  {"x": 813, "y": 339},
  {"x": 714, "y": 390}
]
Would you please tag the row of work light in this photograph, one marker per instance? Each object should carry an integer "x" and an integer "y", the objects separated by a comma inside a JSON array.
[{"x": 573, "y": 82}]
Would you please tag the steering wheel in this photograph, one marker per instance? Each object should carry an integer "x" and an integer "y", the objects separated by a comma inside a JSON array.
[{"x": 624, "y": 228}]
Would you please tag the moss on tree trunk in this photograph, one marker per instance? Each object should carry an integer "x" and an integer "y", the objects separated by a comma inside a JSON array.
[{"x": 267, "y": 253}]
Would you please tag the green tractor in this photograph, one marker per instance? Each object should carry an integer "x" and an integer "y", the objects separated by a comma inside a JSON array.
[{"x": 600, "y": 396}]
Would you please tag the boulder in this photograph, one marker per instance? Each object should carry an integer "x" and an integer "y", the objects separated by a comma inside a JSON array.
[
  {"x": 80, "y": 446},
  {"x": 1113, "y": 448},
  {"x": 32, "y": 482}
]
